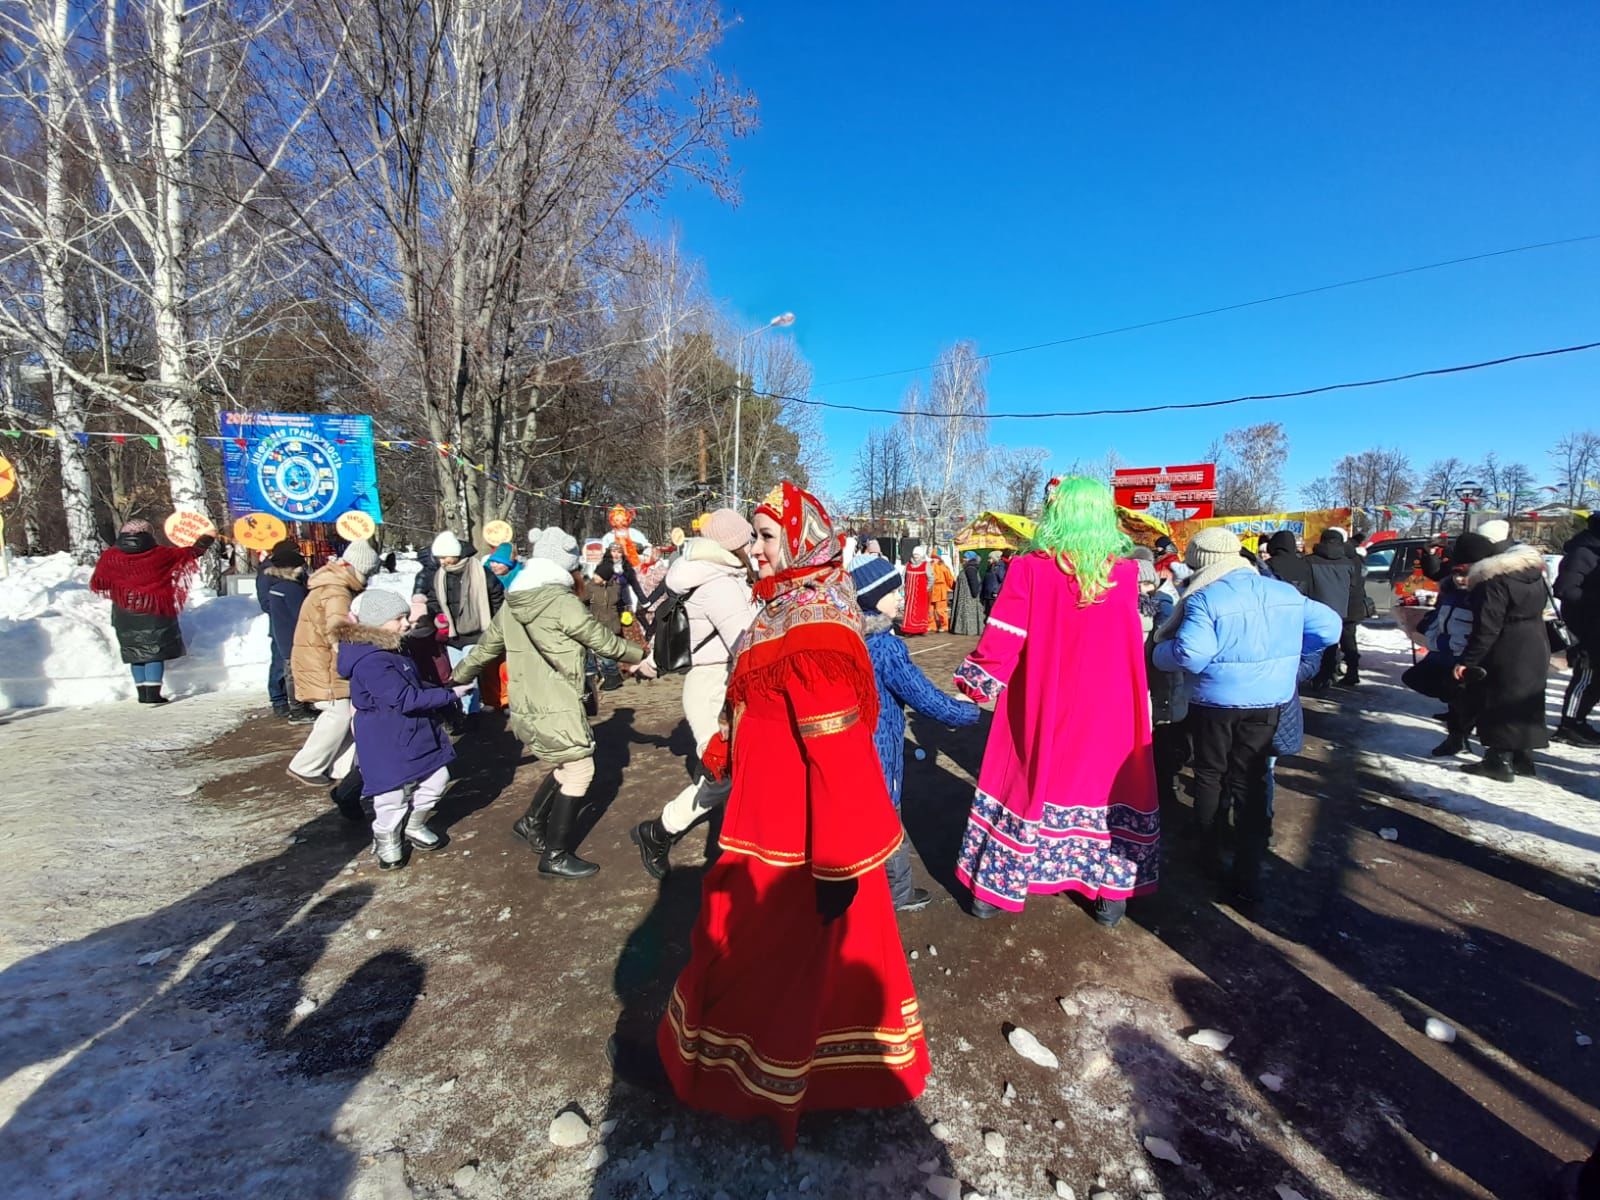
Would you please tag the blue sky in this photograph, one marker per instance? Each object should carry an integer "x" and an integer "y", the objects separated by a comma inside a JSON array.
[{"x": 1013, "y": 173}]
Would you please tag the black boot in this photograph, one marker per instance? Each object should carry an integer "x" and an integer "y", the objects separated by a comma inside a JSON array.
[
  {"x": 654, "y": 843},
  {"x": 150, "y": 693},
  {"x": 1576, "y": 733},
  {"x": 1492, "y": 766},
  {"x": 1522, "y": 764},
  {"x": 559, "y": 861},
  {"x": 531, "y": 825},
  {"x": 1109, "y": 912},
  {"x": 1456, "y": 742},
  {"x": 346, "y": 797}
]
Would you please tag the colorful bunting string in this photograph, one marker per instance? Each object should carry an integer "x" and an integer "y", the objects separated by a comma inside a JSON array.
[{"x": 444, "y": 449}]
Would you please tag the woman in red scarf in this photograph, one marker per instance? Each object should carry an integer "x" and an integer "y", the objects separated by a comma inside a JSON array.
[
  {"x": 147, "y": 585},
  {"x": 797, "y": 996}
]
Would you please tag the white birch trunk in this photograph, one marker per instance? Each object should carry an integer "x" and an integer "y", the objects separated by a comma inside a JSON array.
[
  {"x": 176, "y": 390},
  {"x": 76, "y": 494}
]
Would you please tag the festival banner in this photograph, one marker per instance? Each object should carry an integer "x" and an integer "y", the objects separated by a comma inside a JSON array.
[
  {"x": 300, "y": 466},
  {"x": 1192, "y": 487},
  {"x": 1307, "y": 526}
]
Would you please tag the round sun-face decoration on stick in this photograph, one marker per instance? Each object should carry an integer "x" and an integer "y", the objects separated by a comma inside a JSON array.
[
  {"x": 497, "y": 533},
  {"x": 259, "y": 531}
]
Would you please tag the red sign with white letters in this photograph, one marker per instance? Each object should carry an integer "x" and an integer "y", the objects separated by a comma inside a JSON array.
[{"x": 1192, "y": 487}]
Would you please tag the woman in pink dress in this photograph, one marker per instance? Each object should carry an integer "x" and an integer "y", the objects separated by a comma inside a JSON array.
[{"x": 1066, "y": 796}]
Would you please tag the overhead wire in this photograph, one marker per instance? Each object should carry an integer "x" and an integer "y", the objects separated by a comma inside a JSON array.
[
  {"x": 1181, "y": 406},
  {"x": 1242, "y": 304}
]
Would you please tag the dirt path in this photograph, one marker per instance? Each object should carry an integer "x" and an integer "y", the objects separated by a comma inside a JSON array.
[{"x": 217, "y": 994}]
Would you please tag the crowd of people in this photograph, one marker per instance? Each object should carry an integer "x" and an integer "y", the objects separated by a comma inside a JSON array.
[{"x": 1109, "y": 667}]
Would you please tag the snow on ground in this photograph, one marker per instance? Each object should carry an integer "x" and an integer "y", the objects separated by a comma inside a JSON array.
[
  {"x": 146, "y": 974},
  {"x": 57, "y": 647},
  {"x": 1554, "y": 818}
]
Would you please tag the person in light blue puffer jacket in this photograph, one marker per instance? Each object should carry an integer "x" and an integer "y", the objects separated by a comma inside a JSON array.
[{"x": 1239, "y": 637}]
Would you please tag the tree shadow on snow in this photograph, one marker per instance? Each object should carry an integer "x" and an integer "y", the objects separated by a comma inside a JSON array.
[
  {"x": 1354, "y": 1045},
  {"x": 190, "y": 1073}
]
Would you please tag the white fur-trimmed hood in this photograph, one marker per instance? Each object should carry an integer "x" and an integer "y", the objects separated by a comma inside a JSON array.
[
  {"x": 540, "y": 572},
  {"x": 1507, "y": 562}
]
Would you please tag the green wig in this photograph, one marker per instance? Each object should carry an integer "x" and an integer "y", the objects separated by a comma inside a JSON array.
[{"x": 1081, "y": 532}]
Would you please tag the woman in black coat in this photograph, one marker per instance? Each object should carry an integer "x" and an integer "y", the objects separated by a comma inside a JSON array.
[
  {"x": 1507, "y": 661},
  {"x": 147, "y": 584}
]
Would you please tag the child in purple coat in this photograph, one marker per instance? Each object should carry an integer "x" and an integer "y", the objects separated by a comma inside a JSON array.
[{"x": 401, "y": 743}]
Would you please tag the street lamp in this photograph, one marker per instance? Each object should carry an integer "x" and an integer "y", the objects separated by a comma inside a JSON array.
[
  {"x": 1469, "y": 493},
  {"x": 781, "y": 321}
]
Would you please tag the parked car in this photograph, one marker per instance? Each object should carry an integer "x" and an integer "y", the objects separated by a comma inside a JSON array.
[{"x": 1387, "y": 563}]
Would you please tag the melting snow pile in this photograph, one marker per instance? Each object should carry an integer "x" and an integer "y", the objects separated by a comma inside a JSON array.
[
  {"x": 1554, "y": 818},
  {"x": 57, "y": 647}
]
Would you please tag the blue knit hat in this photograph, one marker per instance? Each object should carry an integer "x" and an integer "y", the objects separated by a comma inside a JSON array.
[
  {"x": 503, "y": 554},
  {"x": 874, "y": 578},
  {"x": 969, "y": 556}
]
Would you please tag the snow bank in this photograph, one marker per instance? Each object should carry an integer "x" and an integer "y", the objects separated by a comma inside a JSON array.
[
  {"x": 57, "y": 647},
  {"x": 1554, "y": 818}
]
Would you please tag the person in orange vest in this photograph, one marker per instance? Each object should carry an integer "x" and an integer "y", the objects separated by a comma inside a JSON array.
[{"x": 942, "y": 584}]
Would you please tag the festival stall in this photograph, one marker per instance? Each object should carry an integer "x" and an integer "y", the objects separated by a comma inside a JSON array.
[
  {"x": 1307, "y": 526},
  {"x": 1008, "y": 531},
  {"x": 994, "y": 531}
]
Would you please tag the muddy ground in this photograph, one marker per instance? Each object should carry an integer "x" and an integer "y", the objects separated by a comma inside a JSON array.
[{"x": 263, "y": 1013}]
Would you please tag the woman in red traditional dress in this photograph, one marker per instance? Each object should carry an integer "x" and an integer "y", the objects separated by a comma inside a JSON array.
[
  {"x": 919, "y": 594},
  {"x": 797, "y": 996}
]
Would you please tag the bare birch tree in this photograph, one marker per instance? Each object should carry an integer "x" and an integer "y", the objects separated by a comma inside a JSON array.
[
  {"x": 499, "y": 150},
  {"x": 947, "y": 429},
  {"x": 185, "y": 152}
]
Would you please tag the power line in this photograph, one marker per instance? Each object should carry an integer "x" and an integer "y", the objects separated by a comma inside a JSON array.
[
  {"x": 1226, "y": 308},
  {"x": 1198, "y": 404}
]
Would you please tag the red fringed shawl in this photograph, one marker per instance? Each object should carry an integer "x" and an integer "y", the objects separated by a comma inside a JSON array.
[{"x": 154, "y": 582}]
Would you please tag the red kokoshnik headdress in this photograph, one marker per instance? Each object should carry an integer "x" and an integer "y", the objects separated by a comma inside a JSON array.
[{"x": 809, "y": 619}]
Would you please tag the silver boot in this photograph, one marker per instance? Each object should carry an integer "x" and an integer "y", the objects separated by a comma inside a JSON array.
[
  {"x": 418, "y": 833},
  {"x": 389, "y": 849}
]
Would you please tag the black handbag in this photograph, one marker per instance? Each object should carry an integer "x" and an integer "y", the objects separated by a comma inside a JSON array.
[{"x": 1555, "y": 629}]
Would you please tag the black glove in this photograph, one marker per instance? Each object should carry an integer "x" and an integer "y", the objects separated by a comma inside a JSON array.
[{"x": 834, "y": 897}]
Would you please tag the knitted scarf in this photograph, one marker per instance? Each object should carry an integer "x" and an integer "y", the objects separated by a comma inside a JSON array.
[
  {"x": 142, "y": 577},
  {"x": 1196, "y": 583},
  {"x": 809, "y": 623},
  {"x": 474, "y": 616}
]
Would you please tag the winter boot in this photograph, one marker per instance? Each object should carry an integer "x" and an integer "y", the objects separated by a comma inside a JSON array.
[
  {"x": 346, "y": 797},
  {"x": 1455, "y": 743},
  {"x": 559, "y": 861},
  {"x": 150, "y": 693},
  {"x": 1108, "y": 912},
  {"x": 655, "y": 844},
  {"x": 1577, "y": 733},
  {"x": 418, "y": 833},
  {"x": 1522, "y": 764},
  {"x": 1493, "y": 766},
  {"x": 302, "y": 714},
  {"x": 389, "y": 849},
  {"x": 530, "y": 826}
]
